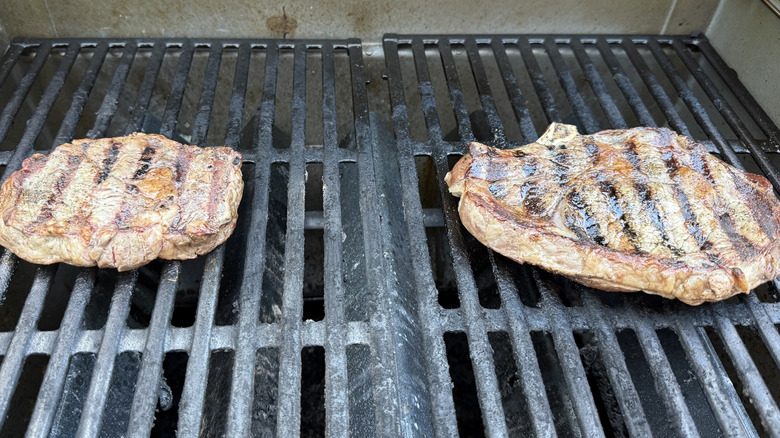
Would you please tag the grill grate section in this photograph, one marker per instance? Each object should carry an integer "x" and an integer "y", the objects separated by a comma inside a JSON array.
[
  {"x": 596, "y": 83},
  {"x": 146, "y": 84},
  {"x": 345, "y": 214}
]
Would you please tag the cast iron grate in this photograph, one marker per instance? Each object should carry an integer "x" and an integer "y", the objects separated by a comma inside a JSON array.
[
  {"x": 175, "y": 347},
  {"x": 573, "y": 361},
  {"x": 349, "y": 300}
]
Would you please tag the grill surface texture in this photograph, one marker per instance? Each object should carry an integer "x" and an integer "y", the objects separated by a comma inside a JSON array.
[{"x": 349, "y": 299}]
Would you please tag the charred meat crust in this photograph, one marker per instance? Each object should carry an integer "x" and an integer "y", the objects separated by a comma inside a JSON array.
[
  {"x": 121, "y": 202},
  {"x": 640, "y": 216}
]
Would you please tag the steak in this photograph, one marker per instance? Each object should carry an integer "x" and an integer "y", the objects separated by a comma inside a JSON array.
[
  {"x": 623, "y": 210},
  {"x": 121, "y": 202}
]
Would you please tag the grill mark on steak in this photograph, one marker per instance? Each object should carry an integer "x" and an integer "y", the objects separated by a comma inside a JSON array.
[
  {"x": 647, "y": 198},
  {"x": 183, "y": 162},
  {"x": 108, "y": 162},
  {"x": 655, "y": 217},
  {"x": 47, "y": 211},
  {"x": 217, "y": 188},
  {"x": 742, "y": 244},
  {"x": 560, "y": 166},
  {"x": 613, "y": 200},
  {"x": 529, "y": 191},
  {"x": 145, "y": 161},
  {"x": 589, "y": 226},
  {"x": 124, "y": 216},
  {"x": 530, "y": 165},
  {"x": 755, "y": 203},
  {"x": 690, "y": 218},
  {"x": 594, "y": 151},
  {"x": 35, "y": 164}
]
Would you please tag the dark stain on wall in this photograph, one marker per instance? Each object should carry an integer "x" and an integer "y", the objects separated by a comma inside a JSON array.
[{"x": 282, "y": 24}]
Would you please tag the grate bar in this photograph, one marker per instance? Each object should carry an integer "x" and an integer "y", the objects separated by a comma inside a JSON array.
[
  {"x": 755, "y": 386},
  {"x": 236, "y": 110},
  {"x": 36, "y": 121},
  {"x": 524, "y": 354},
  {"x": 150, "y": 374},
  {"x": 571, "y": 363},
  {"x": 111, "y": 100},
  {"x": 19, "y": 94},
  {"x": 584, "y": 113},
  {"x": 54, "y": 379},
  {"x": 9, "y": 60},
  {"x": 181, "y": 338},
  {"x": 768, "y": 333},
  {"x": 290, "y": 357},
  {"x": 624, "y": 84},
  {"x": 80, "y": 96},
  {"x": 267, "y": 108},
  {"x": 7, "y": 266},
  {"x": 146, "y": 89},
  {"x": 336, "y": 384},
  {"x": 665, "y": 382},
  {"x": 400, "y": 407},
  {"x": 513, "y": 90},
  {"x": 252, "y": 281},
  {"x": 611, "y": 110},
  {"x": 233, "y": 132},
  {"x": 732, "y": 419},
  {"x": 399, "y": 111},
  {"x": 444, "y": 423},
  {"x": 546, "y": 98},
  {"x": 626, "y": 394},
  {"x": 92, "y": 413},
  {"x": 14, "y": 360},
  {"x": 194, "y": 391},
  {"x": 425, "y": 89},
  {"x": 173, "y": 105},
  {"x": 483, "y": 88},
  {"x": 200, "y": 126},
  {"x": 457, "y": 98}
]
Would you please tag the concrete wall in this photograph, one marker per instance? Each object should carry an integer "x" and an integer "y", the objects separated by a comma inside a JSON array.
[{"x": 367, "y": 20}]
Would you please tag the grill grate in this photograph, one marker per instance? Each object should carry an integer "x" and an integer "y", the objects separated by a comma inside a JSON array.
[
  {"x": 349, "y": 299},
  {"x": 577, "y": 80}
]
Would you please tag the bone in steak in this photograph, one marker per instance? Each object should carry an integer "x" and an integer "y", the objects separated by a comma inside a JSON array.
[
  {"x": 623, "y": 210},
  {"x": 121, "y": 202}
]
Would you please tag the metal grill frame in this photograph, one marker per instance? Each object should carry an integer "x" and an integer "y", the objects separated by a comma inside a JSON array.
[{"x": 412, "y": 391}]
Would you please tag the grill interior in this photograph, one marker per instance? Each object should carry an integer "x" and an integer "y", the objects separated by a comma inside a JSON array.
[{"x": 350, "y": 299}]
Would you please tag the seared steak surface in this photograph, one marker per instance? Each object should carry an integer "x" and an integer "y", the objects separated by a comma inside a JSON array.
[
  {"x": 623, "y": 210},
  {"x": 121, "y": 202}
]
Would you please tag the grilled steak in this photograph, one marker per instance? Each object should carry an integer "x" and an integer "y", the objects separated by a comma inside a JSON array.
[
  {"x": 623, "y": 210},
  {"x": 121, "y": 202}
]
